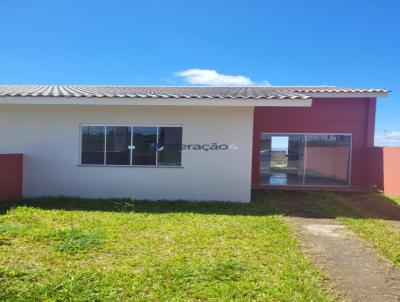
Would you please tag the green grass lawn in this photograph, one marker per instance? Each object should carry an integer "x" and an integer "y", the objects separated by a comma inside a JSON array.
[
  {"x": 396, "y": 199},
  {"x": 102, "y": 250},
  {"x": 383, "y": 234}
]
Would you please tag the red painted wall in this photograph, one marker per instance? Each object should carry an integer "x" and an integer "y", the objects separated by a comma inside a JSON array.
[
  {"x": 384, "y": 172},
  {"x": 11, "y": 169},
  {"x": 391, "y": 170},
  {"x": 375, "y": 167},
  {"x": 355, "y": 116}
]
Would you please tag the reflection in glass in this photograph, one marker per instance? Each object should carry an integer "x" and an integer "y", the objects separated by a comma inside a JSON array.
[
  {"x": 118, "y": 141},
  {"x": 131, "y": 145},
  {"x": 305, "y": 159},
  {"x": 328, "y": 158},
  {"x": 92, "y": 145},
  {"x": 282, "y": 159},
  {"x": 145, "y": 146},
  {"x": 169, "y": 146}
]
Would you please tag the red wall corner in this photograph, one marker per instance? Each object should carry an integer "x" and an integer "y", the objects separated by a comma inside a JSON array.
[
  {"x": 371, "y": 122},
  {"x": 375, "y": 167},
  {"x": 11, "y": 175}
]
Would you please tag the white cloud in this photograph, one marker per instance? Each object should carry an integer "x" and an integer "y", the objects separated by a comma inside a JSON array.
[
  {"x": 388, "y": 138},
  {"x": 264, "y": 83},
  {"x": 210, "y": 77}
]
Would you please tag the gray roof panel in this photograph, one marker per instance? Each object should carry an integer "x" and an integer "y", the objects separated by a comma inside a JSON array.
[{"x": 200, "y": 92}]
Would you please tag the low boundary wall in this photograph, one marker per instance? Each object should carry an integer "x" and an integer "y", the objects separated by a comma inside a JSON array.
[
  {"x": 11, "y": 175},
  {"x": 384, "y": 169}
]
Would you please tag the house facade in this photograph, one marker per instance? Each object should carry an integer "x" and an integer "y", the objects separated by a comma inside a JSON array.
[
  {"x": 326, "y": 144},
  {"x": 189, "y": 143}
]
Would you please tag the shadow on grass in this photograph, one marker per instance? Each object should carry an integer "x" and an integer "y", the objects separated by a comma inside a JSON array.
[
  {"x": 310, "y": 204},
  {"x": 324, "y": 204},
  {"x": 372, "y": 204},
  {"x": 260, "y": 206}
]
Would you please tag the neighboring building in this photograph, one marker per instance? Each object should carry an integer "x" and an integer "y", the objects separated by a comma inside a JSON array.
[{"x": 192, "y": 143}]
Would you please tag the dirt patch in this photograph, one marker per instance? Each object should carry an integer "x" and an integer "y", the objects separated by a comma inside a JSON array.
[
  {"x": 355, "y": 268},
  {"x": 326, "y": 230},
  {"x": 296, "y": 203}
]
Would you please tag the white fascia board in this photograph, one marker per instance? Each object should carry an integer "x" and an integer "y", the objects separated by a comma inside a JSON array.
[
  {"x": 156, "y": 101},
  {"x": 349, "y": 95}
]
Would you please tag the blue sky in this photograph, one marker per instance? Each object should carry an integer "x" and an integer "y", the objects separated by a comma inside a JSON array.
[{"x": 309, "y": 42}]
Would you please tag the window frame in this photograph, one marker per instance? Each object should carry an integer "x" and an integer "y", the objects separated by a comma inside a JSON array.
[
  {"x": 131, "y": 165},
  {"x": 305, "y": 154}
]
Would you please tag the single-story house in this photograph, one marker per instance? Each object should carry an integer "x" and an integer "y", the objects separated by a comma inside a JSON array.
[{"x": 191, "y": 143}]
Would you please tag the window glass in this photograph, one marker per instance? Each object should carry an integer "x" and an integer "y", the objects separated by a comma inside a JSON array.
[
  {"x": 282, "y": 159},
  {"x": 328, "y": 158},
  {"x": 169, "y": 146},
  {"x": 92, "y": 145},
  {"x": 305, "y": 159},
  {"x": 145, "y": 146},
  {"x": 131, "y": 145},
  {"x": 118, "y": 142}
]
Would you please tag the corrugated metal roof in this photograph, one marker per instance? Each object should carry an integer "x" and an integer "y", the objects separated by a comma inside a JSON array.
[{"x": 254, "y": 92}]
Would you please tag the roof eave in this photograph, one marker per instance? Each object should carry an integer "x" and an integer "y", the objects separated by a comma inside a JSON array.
[
  {"x": 125, "y": 101},
  {"x": 323, "y": 95}
]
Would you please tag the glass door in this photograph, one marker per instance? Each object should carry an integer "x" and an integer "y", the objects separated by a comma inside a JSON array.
[
  {"x": 328, "y": 160},
  {"x": 282, "y": 159},
  {"x": 321, "y": 159}
]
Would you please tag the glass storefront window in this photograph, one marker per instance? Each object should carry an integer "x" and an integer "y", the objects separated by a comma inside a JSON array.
[{"x": 305, "y": 159}]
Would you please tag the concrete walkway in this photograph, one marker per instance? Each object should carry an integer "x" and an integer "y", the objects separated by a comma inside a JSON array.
[{"x": 355, "y": 268}]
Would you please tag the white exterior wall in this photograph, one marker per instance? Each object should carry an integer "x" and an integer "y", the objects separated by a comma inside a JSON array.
[{"x": 49, "y": 138}]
